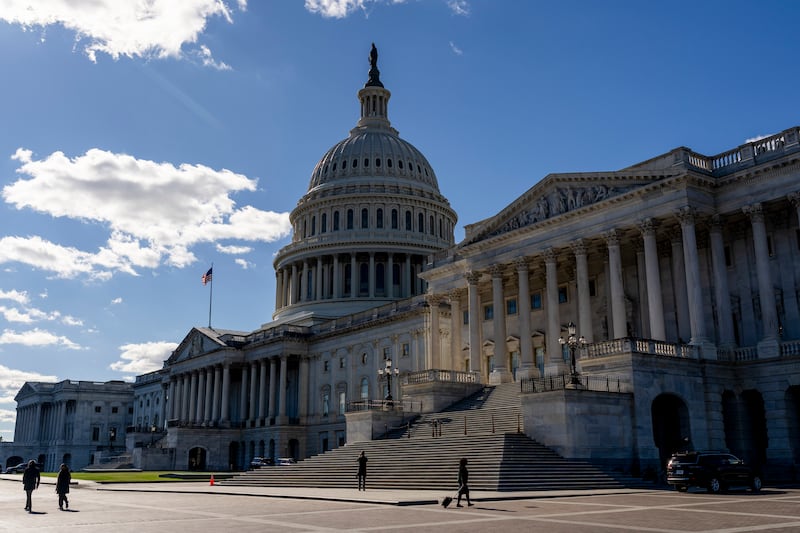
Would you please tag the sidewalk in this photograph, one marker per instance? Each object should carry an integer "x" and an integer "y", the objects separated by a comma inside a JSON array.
[{"x": 376, "y": 496}]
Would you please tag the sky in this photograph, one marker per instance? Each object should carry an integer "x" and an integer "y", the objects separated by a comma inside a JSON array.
[{"x": 142, "y": 142}]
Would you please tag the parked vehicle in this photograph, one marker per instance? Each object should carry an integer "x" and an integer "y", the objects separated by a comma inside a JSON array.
[
  {"x": 258, "y": 462},
  {"x": 716, "y": 471},
  {"x": 285, "y": 461},
  {"x": 18, "y": 469}
]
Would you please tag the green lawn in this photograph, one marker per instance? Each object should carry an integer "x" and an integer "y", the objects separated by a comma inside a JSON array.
[{"x": 142, "y": 477}]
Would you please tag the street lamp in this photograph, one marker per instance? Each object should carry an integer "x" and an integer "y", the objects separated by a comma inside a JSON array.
[
  {"x": 112, "y": 436},
  {"x": 388, "y": 371},
  {"x": 572, "y": 341},
  {"x": 153, "y": 429}
]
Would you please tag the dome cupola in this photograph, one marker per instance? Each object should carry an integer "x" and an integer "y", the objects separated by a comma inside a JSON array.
[{"x": 372, "y": 214}]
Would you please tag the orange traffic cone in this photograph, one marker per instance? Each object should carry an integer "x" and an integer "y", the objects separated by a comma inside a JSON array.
[{"x": 212, "y": 480}]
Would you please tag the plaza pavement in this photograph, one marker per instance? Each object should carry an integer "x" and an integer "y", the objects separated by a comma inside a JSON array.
[{"x": 198, "y": 507}]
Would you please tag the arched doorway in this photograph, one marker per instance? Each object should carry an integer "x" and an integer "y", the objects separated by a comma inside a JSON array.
[
  {"x": 14, "y": 460},
  {"x": 233, "y": 454},
  {"x": 294, "y": 449},
  {"x": 745, "y": 426},
  {"x": 272, "y": 450},
  {"x": 197, "y": 458},
  {"x": 793, "y": 420},
  {"x": 671, "y": 428},
  {"x": 66, "y": 459}
]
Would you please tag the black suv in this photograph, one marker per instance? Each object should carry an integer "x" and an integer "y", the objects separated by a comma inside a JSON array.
[{"x": 715, "y": 471}]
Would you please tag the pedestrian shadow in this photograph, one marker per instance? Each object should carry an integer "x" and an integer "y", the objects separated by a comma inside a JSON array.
[
  {"x": 37, "y": 512},
  {"x": 71, "y": 511}
]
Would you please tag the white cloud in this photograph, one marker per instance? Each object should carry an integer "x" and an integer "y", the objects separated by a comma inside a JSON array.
[
  {"x": 456, "y": 50},
  {"x": 234, "y": 250},
  {"x": 459, "y": 7},
  {"x": 126, "y": 195},
  {"x": 143, "y": 358},
  {"x": 342, "y": 8},
  {"x": 7, "y": 415},
  {"x": 147, "y": 29},
  {"x": 21, "y": 297},
  {"x": 11, "y": 381},
  {"x": 71, "y": 321},
  {"x": 116, "y": 301},
  {"x": 29, "y": 315},
  {"x": 36, "y": 337},
  {"x": 245, "y": 264}
]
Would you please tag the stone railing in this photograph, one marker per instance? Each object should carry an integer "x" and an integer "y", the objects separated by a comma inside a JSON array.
[
  {"x": 384, "y": 405},
  {"x": 790, "y": 348},
  {"x": 747, "y": 353},
  {"x": 585, "y": 382},
  {"x": 440, "y": 376},
  {"x": 750, "y": 152},
  {"x": 645, "y": 346}
]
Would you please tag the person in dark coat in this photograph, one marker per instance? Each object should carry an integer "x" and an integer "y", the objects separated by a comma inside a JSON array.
[
  {"x": 463, "y": 482},
  {"x": 362, "y": 472},
  {"x": 30, "y": 482},
  {"x": 62, "y": 486}
]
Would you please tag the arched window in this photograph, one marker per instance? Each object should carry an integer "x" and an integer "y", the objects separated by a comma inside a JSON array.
[
  {"x": 389, "y": 162},
  {"x": 313, "y": 225},
  {"x": 336, "y": 221},
  {"x": 408, "y": 221},
  {"x": 364, "y": 389},
  {"x": 431, "y": 226},
  {"x": 394, "y": 219},
  {"x": 420, "y": 223},
  {"x": 380, "y": 279},
  {"x": 326, "y": 401},
  {"x": 364, "y": 218},
  {"x": 379, "y": 218},
  {"x": 323, "y": 226},
  {"x": 349, "y": 219}
]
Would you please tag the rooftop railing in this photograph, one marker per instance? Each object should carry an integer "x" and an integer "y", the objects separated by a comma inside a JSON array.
[{"x": 731, "y": 160}]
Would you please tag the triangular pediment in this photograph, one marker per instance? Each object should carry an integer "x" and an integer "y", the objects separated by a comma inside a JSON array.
[
  {"x": 558, "y": 194},
  {"x": 26, "y": 390},
  {"x": 199, "y": 341}
]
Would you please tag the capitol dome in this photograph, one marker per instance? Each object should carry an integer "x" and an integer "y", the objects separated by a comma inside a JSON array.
[{"x": 370, "y": 219}]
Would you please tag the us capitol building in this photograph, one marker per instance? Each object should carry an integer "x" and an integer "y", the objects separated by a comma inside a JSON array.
[{"x": 673, "y": 283}]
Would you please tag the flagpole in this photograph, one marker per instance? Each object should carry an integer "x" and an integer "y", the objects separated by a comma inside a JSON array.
[{"x": 210, "y": 295}]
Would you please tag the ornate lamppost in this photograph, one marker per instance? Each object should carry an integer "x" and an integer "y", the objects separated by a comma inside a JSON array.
[
  {"x": 388, "y": 371},
  {"x": 153, "y": 429},
  {"x": 573, "y": 341}
]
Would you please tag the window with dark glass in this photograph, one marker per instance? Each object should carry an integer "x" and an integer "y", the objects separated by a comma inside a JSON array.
[
  {"x": 488, "y": 312},
  {"x": 420, "y": 223},
  {"x": 364, "y": 219},
  {"x": 379, "y": 218},
  {"x": 349, "y": 219},
  {"x": 394, "y": 219},
  {"x": 324, "y": 223},
  {"x": 408, "y": 221},
  {"x": 562, "y": 295},
  {"x": 511, "y": 307},
  {"x": 536, "y": 300},
  {"x": 336, "y": 221}
]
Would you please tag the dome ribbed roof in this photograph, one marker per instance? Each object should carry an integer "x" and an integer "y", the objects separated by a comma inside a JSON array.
[
  {"x": 374, "y": 149},
  {"x": 373, "y": 153}
]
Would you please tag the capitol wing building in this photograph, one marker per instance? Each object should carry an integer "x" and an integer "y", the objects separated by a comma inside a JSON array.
[{"x": 640, "y": 311}]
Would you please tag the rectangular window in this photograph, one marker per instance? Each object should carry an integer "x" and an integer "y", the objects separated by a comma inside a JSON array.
[
  {"x": 325, "y": 366},
  {"x": 729, "y": 257},
  {"x": 536, "y": 300},
  {"x": 770, "y": 248},
  {"x": 326, "y": 404},
  {"x": 97, "y": 408},
  {"x": 466, "y": 317},
  {"x": 406, "y": 349},
  {"x": 341, "y": 362},
  {"x": 95, "y": 434},
  {"x": 115, "y": 410},
  {"x": 562, "y": 295},
  {"x": 387, "y": 353},
  {"x": 488, "y": 312},
  {"x": 342, "y": 402},
  {"x": 592, "y": 287},
  {"x": 511, "y": 307}
]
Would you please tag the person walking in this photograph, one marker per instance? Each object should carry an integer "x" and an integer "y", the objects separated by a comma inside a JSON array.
[
  {"x": 463, "y": 482},
  {"x": 362, "y": 471},
  {"x": 62, "y": 486},
  {"x": 30, "y": 482}
]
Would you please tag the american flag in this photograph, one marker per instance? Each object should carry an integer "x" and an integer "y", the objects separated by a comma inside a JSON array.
[{"x": 207, "y": 276}]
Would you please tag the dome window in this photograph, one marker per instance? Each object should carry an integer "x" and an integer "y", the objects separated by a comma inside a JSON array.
[
  {"x": 400, "y": 164},
  {"x": 377, "y": 162},
  {"x": 325, "y": 170},
  {"x": 410, "y": 166},
  {"x": 379, "y": 218},
  {"x": 344, "y": 164},
  {"x": 349, "y": 219},
  {"x": 323, "y": 225},
  {"x": 420, "y": 223},
  {"x": 336, "y": 221},
  {"x": 408, "y": 221},
  {"x": 334, "y": 168},
  {"x": 426, "y": 170},
  {"x": 419, "y": 170},
  {"x": 355, "y": 163},
  {"x": 366, "y": 162},
  {"x": 394, "y": 219},
  {"x": 364, "y": 219},
  {"x": 389, "y": 162}
]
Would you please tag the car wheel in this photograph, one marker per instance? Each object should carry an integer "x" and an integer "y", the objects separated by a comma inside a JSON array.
[
  {"x": 714, "y": 486},
  {"x": 755, "y": 484},
  {"x": 682, "y": 488}
]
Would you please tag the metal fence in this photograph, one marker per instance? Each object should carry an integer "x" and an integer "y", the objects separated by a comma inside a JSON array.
[{"x": 585, "y": 382}]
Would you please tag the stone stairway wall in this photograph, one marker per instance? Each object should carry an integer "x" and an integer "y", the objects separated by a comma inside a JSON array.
[{"x": 499, "y": 457}]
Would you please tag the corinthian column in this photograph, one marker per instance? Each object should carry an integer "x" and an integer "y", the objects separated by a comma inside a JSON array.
[
  {"x": 455, "y": 329},
  {"x": 721, "y": 292},
  {"x": 766, "y": 293},
  {"x": 555, "y": 359},
  {"x": 693, "y": 288},
  {"x": 655, "y": 304},
  {"x": 474, "y": 321},
  {"x": 619, "y": 327},
  {"x": 527, "y": 367},
  {"x": 500, "y": 374},
  {"x": 434, "y": 339},
  {"x": 584, "y": 305}
]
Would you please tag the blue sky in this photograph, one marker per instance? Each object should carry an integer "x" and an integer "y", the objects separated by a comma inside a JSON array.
[{"x": 138, "y": 148}]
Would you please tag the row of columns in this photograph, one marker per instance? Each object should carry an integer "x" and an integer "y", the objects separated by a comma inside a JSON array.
[
  {"x": 689, "y": 295},
  {"x": 41, "y": 422},
  {"x": 203, "y": 396},
  {"x": 316, "y": 279}
]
